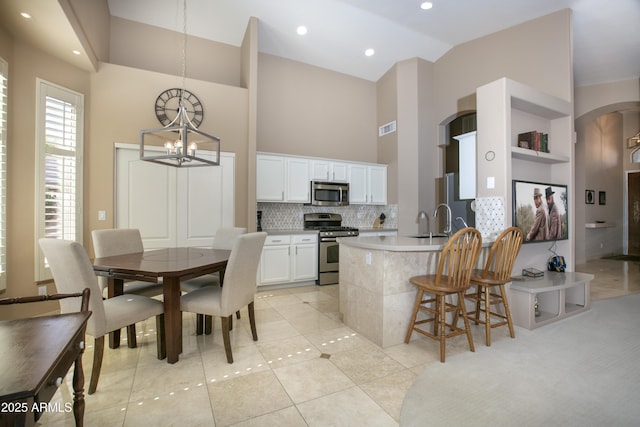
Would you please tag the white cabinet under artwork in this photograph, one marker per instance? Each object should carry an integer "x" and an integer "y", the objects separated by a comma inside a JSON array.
[{"x": 173, "y": 206}]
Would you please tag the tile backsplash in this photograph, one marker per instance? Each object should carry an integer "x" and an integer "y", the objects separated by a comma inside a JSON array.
[{"x": 289, "y": 216}]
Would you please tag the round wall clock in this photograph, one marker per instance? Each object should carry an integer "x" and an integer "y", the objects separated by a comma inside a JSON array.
[{"x": 168, "y": 103}]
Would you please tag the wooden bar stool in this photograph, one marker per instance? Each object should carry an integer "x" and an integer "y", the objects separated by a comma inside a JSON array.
[
  {"x": 489, "y": 282},
  {"x": 457, "y": 259}
]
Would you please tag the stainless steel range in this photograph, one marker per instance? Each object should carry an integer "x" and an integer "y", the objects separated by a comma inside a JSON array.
[{"x": 329, "y": 226}]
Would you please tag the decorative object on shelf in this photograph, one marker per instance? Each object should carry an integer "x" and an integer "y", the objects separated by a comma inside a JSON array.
[
  {"x": 179, "y": 143},
  {"x": 379, "y": 221},
  {"x": 602, "y": 197},
  {"x": 534, "y": 140},
  {"x": 532, "y": 272},
  {"x": 557, "y": 263},
  {"x": 536, "y": 307},
  {"x": 589, "y": 197}
]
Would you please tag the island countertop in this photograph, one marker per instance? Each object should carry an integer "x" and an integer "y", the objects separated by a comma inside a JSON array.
[{"x": 400, "y": 243}]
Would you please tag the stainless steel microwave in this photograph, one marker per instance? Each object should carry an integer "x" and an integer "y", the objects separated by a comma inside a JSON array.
[{"x": 325, "y": 193}]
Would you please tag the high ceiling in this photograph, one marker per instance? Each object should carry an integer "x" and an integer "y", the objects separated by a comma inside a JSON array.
[{"x": 606, "y": 36}]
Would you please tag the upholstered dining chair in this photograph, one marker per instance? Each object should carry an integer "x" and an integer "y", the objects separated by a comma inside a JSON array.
[
  {"x": 488, "y": 284},
  {"x": 224, "y": 239},
  {"x": 122, "y": 241},
  {"x": 237, "y": 292},
  {"x": 457, "y": 259},
  {"x": 72, "y": 272}
]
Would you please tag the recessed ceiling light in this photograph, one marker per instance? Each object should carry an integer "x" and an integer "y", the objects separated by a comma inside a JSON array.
[
  {"x": 426, "y": 5},
  {"x": 369, "y": 52},
  {"x": 25, "y": 15},
  {"x": 76, "y": 52},
  {"x": 301, "y": 30}
]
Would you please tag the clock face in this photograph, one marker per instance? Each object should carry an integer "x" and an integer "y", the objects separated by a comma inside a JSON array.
[{"x": 168, "y": 103}]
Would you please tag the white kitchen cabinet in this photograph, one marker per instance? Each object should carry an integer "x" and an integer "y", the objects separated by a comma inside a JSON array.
[
  {"x": 326, "y": 170},
  {"x": 367, "y": 184},
  {"x": 282, "y": 179},
  {"x": 271, "y": 178},
  {"x": 297, "y": 179},
  {"x": 275, "y": 263},
  {"x": 173, "y": 206},
  {"x": 289, "y": 259}
]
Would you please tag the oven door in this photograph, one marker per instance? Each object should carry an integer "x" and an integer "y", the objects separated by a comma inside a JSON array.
[{"x": 329, "y": 256}]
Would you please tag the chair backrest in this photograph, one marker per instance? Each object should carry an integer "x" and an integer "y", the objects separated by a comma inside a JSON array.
[
  {"x": 227, "y": 236},
  {"x": 503, "y": 253},
  {"x": 458, "y": 257},
  {"x": 239, "y": 285},
  {"x": 72, "y": 273},
  {"x": 115, "y": 241}
]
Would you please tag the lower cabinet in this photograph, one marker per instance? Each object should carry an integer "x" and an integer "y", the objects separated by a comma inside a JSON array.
[{"x": 289, "y": 258}]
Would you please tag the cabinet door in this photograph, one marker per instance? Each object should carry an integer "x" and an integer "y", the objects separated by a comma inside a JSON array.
[
  {"x": 298, "y": 188},
  {"x": 305, "y": 261},
  {"x": 339, "y": 172},
  {"x": 275, "y": 264},
  {"x": 146, "y": 198},
  {"x": 270, "y": 178},
  {"x": 319, "y": 170},
  {"x": 377, "y": 181},
  {"x": 358, "y": 184}
]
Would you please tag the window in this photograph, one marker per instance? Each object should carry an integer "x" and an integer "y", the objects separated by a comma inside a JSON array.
[
  {"x": 3, "y": 173},
  {"x": 59, "y": 118}
]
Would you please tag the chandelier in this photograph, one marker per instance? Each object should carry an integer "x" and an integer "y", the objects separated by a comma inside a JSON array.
[{"x": 180, "y": 143}]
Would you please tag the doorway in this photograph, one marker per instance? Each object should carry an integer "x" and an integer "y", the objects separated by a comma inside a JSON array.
[{"x": 633, "y": 213}]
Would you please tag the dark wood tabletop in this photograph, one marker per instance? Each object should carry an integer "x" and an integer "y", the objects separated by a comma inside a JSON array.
[
  {"x": 172, "y": 265},
  {"x": 35, "y": 355}
]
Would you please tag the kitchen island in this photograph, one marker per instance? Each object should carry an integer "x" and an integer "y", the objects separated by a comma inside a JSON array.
[{"x": 376, "y": 298}]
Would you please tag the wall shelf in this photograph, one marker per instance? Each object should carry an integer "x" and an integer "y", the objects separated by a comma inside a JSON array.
[
  {"x": 599, "y": 225},
  {"x": 537, "y": 156}
]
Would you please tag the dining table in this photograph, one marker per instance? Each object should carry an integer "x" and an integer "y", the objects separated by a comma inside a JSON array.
[{"x": 168, "y": 266}]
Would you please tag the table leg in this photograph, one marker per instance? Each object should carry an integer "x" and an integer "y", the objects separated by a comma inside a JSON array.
[
  {"x": 115, "y": 288},
  {"x": 78, "y": 389},
  {"x": 172, "y": 318}
]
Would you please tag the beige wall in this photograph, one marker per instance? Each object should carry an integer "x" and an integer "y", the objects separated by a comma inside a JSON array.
[
  {"x": 26, "y": 64},
  {"x": 155, "y": 49},
  {"x": 123, "y": 100},
  {"x": 310, "y": 111}
]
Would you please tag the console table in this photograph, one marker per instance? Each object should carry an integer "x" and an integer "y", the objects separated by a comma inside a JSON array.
[
  {"x": 558, "y": 295},
  {"x": 35, "y": 355}
]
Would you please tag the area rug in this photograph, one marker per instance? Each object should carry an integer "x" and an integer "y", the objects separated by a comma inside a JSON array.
[
  {"x": 634, "y": 258},
  {"x": 581, "y": 371}
]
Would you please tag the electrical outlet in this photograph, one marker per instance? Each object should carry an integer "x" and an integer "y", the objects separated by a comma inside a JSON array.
[
  {"x": 42, "y": 290},
  {"x": 367, "y": 258},
  {"x": 102, "y": 215}
]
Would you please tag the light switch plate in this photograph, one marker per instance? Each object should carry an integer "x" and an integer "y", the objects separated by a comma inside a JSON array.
[{"x": 491, "y": 182}]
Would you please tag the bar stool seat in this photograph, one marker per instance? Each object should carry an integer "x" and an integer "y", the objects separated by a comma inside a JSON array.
[{"x": 457, "y": 259}]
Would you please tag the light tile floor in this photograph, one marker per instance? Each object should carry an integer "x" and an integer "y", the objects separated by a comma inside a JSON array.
[{"x": 307, "y": 369}]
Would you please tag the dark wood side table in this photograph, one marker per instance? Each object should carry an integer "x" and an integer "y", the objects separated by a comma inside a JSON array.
[{"x": 35, "y": 355}]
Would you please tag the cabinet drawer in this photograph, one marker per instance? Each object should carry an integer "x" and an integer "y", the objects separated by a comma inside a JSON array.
[
  {"x": 277, "y": 240},
  {"x": 305, "y": 238}
]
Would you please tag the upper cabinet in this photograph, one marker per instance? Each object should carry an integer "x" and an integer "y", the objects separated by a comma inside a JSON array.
[
  {"x": 327, "y": 170},
  {"x": 282, "y": 179},
  {"x": 368, "y": 184},
  {"x": 286, "y": 179}
]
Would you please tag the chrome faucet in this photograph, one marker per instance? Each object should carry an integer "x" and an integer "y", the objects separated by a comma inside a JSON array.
[
  {"x": 463, "y": 221},
  {"x": 447, "y": 227}
]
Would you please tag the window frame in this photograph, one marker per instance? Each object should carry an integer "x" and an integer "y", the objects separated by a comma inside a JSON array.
[
  {"x": 4, "y": 112},
  {"x": 46, "y": 89}
]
